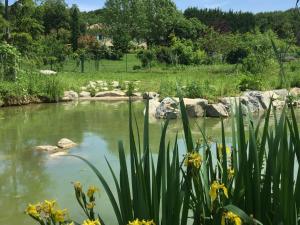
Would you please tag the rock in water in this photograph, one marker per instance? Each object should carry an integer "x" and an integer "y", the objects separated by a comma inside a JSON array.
[
  {"x": 47, "y": 148},
  {"x": 85, "y": 94},
  {"x": 70, "y": 96},
  {"x": 195, "y": 107},
  {"x": 66, "y": 143},
  {"x": 150, "y": 95},
  {"x": 115, "y": 93},
  {"x": 167, "y": 109},
  {"x": 295, "y": 92},
  {"x": 216, "y": 110}
]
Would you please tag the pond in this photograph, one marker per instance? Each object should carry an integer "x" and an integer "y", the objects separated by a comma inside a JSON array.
[{"x": 28, "y": 176}]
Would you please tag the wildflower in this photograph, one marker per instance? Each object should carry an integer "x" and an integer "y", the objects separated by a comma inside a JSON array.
[
  {"x": 193, "y": 159},
  {"x": 91, "y": 222},
  {"x": 59, "y": 215},
  {"x": 32, "y": 211},
  {"x": 230, "y": 173},
  {"x": 48, "y": 207},
  {"x": 72, "y": 223},
  {"x": 91, "y": 191},
  {"x": 78, "y": 186},
  {"x": 215, "y": 187},
  {"x": 141, "y": 222},
  {"x": 231, "y": 217}
]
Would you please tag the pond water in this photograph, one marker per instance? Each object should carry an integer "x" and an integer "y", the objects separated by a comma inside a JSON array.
[{"x": 28, "y": 176}]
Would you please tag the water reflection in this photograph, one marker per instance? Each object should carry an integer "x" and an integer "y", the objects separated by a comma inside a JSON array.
[{"x": 29, "y": 176}]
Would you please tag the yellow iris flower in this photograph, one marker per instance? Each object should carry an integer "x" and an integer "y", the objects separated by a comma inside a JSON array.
[
  {"x": 91, "y": 191},
  {"x": 231, "y": 217},
  {"x": 59, "y": 215},
  {"x": 193, "y": 159},
  {"x": 141, "y": 222},
  {"x": 214, "y": 189},
  {"x": 91, "y": 222},
  {"x": 32, "y": 211},
  {"x": 230, "y": 174},
  {"x": 48, "y": 206},
  {"x": 220, "y": 149},
  {"x": 78, "y": 186}
]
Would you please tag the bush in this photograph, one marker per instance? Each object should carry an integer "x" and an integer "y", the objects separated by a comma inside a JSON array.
[
  {"x": 250, "y": 83},
  {"x": 146, "y": 57},
  {"x": 200, "y": 57},
  {"x": 236, "y": 56},
  {"x": 253, "y": 64},
  {"x": 295, "y": 81},
  {"x": 165, "y": 55}
]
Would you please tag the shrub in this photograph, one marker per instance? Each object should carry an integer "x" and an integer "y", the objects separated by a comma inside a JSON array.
[
  {"x": 9, "y": 62},
  {"x": 165, "y": 55},
  {"x": 253, "y": 64},
  {"x": 236, "y": 56},
  {"x": 250, "y": 83},
  {"x": 146, "y": 57}
]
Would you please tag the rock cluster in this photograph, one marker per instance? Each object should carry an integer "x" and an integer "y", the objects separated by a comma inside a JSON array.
[{"x": 62, "y": 145}]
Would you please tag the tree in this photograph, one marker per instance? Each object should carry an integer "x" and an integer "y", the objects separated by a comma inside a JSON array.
[{"x": 75, "y": 26}]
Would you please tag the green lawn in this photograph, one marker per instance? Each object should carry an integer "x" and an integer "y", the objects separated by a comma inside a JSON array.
[{"x": 215, "y": 80}]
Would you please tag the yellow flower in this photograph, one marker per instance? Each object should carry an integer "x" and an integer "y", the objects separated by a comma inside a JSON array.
[
  {"x": 59, "y": 215},
  {"x": 230, "y": 174},
  {"x": 72, "y": 223},
  {"x": 220, "y": 150},
  {"x": 141, "y": 222},
  {"x": 91, "y": 222},
  {"x": 91, "y": 191},
  {"x": 193, "y": 159},
  {"x": 32, "y": 210},
  {"x": 48, "y": 206},
  {"x": 78, "y": 186},
  {"x": 214, "y": 189},
  {"x": 231, "y": 217}
]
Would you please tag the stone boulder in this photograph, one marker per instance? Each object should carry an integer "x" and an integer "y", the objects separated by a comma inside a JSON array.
[
  {"x": 153, "y": 104},
  {"x": 48, "y": 72},
  {"x": 295, "y": 92},
  {"x": 150, "y": 95},
  {"x": 114, "y": 93},
  {"x": 115, "y": 84},
  {"x": 66, "y": 143},
  {"x": 283, "y": 93},
  {"x": 195, "y": 107},
  {"x": 47, "y": 148},
  {"x": 278, "y": 104},
  {"x": 85, "y": 94},
  {"x": 70, "y": 96},
  {"x": 255, "y": 101},
  {"x": 167, "y": 109},
  {"x": 216, "y": 110}
]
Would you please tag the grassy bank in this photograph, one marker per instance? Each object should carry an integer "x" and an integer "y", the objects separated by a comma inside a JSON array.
[{"x": 206, "y": 81}]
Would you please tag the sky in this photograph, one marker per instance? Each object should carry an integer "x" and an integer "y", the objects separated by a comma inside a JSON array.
[{"x": 243, "y": 5}]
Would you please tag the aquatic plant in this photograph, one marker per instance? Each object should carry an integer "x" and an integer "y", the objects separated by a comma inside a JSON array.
[{"x": 254, "y": 181}]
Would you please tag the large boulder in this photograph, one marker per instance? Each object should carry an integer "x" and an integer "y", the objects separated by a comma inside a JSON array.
[
  {"x": 283, "y": 93},
  {"x": 195, "y": 107},
  {"x": 150, "y": 95},
  {"x": 70, "y": 96},
  {"x": 48, "y": 72},
  {"x": 295, "y": 92},
  {"x": 167, "y": 109},
  {"x": 153, "y": 104},
  {"x": 114, "y": 93},
  {"x": 255, "y": 101},
  {"x": 47, "y": 148},
  {"x": 115, "y": 84},
  {"x": 216, "y": 110},
  {"x": 85, "y": 94},
  {"x": 65, "y": 143}
]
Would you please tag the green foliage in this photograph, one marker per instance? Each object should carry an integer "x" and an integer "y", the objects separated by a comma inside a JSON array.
[
  {"x": 198, "y": 90},
  {"x": 75, "y": 26},
  {"x": 250, "y": 82},
  {"x": 9, "y": 59},
  {"x": 146, "y": 57}
]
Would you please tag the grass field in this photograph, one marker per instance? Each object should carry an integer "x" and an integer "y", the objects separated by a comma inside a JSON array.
[{"x": 215, "y": 80}]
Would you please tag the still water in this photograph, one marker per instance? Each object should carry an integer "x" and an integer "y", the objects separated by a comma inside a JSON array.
[{"x": 28, "y": 176}]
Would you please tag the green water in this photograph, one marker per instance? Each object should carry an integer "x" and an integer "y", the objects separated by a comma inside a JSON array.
[{"x": 28, "y": 176}]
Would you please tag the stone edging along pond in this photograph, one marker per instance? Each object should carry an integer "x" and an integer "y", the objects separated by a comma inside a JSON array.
[{"x": 254, "y": 101}]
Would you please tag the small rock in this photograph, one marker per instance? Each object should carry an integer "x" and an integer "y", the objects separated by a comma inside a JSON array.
[
  {"x": 295, "y": 92},
  {"x": 137, "y": 94},
  {"x": 150, "y": 95},
  {"x": 153, "y": 104},
  {"x": 83, "y": 88},
  {"x": 216, "y": 110},
  {"x": 278, "y": 104},
  {"x": 48, "y": 72},
  {"x": 66, "y": 143},
  {"x": 115, "y": 93},
  {"x": 195, "y": 107},
  {"x": 104, "y": 88},
  {"x": 167, "y": 109},
  {"x": 85, "y": 94},
  {"x": 47, "y": 148},
  {"x": 283, "y": 93},
  {"x": 115, "y": 84},
  {"x": 70, "y": 96}
]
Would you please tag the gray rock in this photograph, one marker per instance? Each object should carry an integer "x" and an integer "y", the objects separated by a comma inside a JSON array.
[
  {"x": 216, "y": 110},
  {"x": 114, "y": 93},
  {"x": 70, "y": 96},
  {"x": 195, "y": 107},
  {"x": 295, "y": 92},
  {"x": 254, "y": 101},
  {"x": 83, "y": 88},
  {"x": 167, "y": 109},
  {"x": 48, "y": 72},
  {"x": 85, "y": 94},
  {"x": 66, "y": 143},
  {"x": 153, "y": 104},
  {"x": 283, "y": 93},
  {"x": 278, "y": 104},
  {"x": 47, "y": 148},
  {"x": 137, "y": 94},
  {"x": 115, "y": 84},
  {"x": 150, "y": 95}
]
